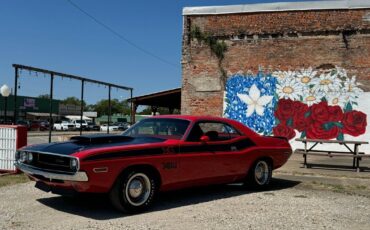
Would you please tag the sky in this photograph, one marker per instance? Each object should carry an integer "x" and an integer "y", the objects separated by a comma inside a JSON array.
[{"x": 54, "y": 35}]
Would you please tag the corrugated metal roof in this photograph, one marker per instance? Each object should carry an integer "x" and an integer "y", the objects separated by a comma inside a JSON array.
[{"x": 277, "y": 6}]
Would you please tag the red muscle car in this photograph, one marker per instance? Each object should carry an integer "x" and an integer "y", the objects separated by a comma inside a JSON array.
[{"x": 157, "y": 154}]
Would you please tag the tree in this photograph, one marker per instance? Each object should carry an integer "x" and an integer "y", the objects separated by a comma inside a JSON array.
[
  {"x": 90, "y": 108},
  {"x": 73, "y": 101},
  {"x": 102, "y": 107},
  {"x": 44, "y": 96}
]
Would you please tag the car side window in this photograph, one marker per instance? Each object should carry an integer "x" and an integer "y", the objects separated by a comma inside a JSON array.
[{"x": 216, "y": 131}]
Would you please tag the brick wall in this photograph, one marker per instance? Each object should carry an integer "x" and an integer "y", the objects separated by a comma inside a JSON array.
[{"x": 276, "y": 40}]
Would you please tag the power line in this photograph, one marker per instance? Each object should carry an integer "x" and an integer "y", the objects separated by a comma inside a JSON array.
[{"x": 120, "y": 36}]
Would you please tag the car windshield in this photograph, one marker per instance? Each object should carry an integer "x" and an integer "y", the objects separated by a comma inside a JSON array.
[{"x": 169, "y": 128}]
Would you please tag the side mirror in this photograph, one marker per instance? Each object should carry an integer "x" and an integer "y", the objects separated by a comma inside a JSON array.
[{"x": 204, "y": 139}]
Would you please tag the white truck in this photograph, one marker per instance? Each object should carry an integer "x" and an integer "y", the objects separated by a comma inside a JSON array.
[
  {"x": 77, "y": 124},
  {"x": 63, "y": 125}
]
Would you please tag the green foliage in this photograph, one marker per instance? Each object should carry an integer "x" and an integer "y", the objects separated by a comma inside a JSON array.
[
  {"x": 340, "y": 137},
  {"x": 217, "y": 47},
  {"x": 102, "y": 107},
  {"x": 197, "y": 33},
  {"x": 348, "y": 107},
  {"x": 289, "y": 122},
  {"x": 277, "y": 121},
  {"x": 44, "y": 96},
  {"x": 340, "y": 125},
  {"x": 90, "y": 108},
  {"x": 328, "y": 126},
  {"x": 73, "y": 101}
]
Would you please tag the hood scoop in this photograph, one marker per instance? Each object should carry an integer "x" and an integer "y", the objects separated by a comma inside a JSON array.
[{"x": 100, "y": 139}]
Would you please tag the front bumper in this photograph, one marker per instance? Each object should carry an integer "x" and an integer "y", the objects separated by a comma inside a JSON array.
[{"x": 78, "y": 176}]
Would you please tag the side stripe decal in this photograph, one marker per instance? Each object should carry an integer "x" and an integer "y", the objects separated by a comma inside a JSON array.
[
  {"x": 236, "y": 146},
  {"x": 127, "y": 153}
]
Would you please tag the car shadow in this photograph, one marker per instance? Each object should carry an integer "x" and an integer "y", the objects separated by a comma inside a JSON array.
[{"x": 98, "y": 207}]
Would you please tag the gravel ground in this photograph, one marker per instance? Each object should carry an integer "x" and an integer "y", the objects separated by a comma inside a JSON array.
[{"x": 287, "y": 205}]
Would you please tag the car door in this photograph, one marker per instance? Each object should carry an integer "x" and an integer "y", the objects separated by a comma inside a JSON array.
[{"x": 218, "y": 160}]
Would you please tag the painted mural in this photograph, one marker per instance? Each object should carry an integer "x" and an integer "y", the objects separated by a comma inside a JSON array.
[{"x": 307, "y": 103}]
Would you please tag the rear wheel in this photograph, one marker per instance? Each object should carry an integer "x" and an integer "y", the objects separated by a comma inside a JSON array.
[
  {"x": 133, "y": 192},
  {"x": 260, "y": 174}
]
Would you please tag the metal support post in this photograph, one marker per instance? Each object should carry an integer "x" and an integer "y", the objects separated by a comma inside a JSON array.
[
  {"x": 51, "y": 123},
  {"x": 15, "y": 96},
  {"x": 82, "y": 105},
  {"x": 109, "y": 108}
]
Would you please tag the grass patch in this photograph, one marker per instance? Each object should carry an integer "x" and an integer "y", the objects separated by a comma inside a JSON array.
[
  {"x": 333, "y": 187},
  {"x": 360, "y": 187},
  {"x": 13, "y": 179}
]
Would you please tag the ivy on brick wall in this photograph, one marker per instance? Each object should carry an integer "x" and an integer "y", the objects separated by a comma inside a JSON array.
[{"x": 218, "y": 47}]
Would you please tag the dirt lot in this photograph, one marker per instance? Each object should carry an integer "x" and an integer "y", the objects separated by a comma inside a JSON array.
[
  {"x": 288, "y": 204},
  {"x": 317, "y": 198}
]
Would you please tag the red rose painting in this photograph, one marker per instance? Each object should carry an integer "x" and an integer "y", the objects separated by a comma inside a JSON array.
[
  {"x": 354, "y": 123},
  {"x": 285, "y": 109},
  {"x": 320, "y": 131},
  {"x": 320, "y": 112},
  {"x": 318, "y": 121},
  {"x": 284, "y": 131}
]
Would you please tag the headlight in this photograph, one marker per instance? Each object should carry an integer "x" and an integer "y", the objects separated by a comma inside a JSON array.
[
  {"x": 73, "y": 164},
  {"x": 29, "y": 157},
  {"x": 17, "y": 155},
  {"x": 22, "y": 157}
]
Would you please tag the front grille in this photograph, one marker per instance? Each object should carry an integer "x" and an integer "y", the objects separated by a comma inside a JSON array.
[{"x": 52, "y": 162}]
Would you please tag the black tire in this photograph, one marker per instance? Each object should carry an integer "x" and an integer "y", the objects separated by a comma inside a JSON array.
[
  {"x": 259, "y": 175},
  {"x": 139, "y": 197}
]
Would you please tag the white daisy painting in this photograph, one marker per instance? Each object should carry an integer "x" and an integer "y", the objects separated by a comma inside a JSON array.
[{"x": 289, "y": 88}]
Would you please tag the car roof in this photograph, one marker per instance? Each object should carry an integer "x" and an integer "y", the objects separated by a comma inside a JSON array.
[
  {"x": 192, "y": 117},
  {"x": 244, "y": 129}
]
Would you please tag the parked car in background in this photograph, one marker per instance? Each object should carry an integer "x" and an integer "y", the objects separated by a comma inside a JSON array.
[
  {"x": 156, "y": 154},
  {"x": 78, "y": 123},
  {"x": 63, "y": 125},
  {"x": 39, "y": 125},
  {"x": 112, "y": 127},
  {"x": 92, "y": 126},
  {"x": 24, "y": 123},
  {"x": 122, "y": 126}
]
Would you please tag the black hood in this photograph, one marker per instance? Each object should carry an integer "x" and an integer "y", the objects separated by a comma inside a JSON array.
[{"x": 79, "y": 143}]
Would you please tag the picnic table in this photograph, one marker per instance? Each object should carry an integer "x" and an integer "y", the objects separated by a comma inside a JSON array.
[{"x": 352, "y": 152}]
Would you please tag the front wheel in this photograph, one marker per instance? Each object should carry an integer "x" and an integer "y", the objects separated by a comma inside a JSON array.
[
  {"x": 133, "y": 192},
  {"x": 259, "y": 175}
]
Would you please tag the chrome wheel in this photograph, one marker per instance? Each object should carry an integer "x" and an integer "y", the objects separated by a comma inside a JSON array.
[
  {"x": 138, "y": 189},
  {"x": 261, "y": 173}
]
